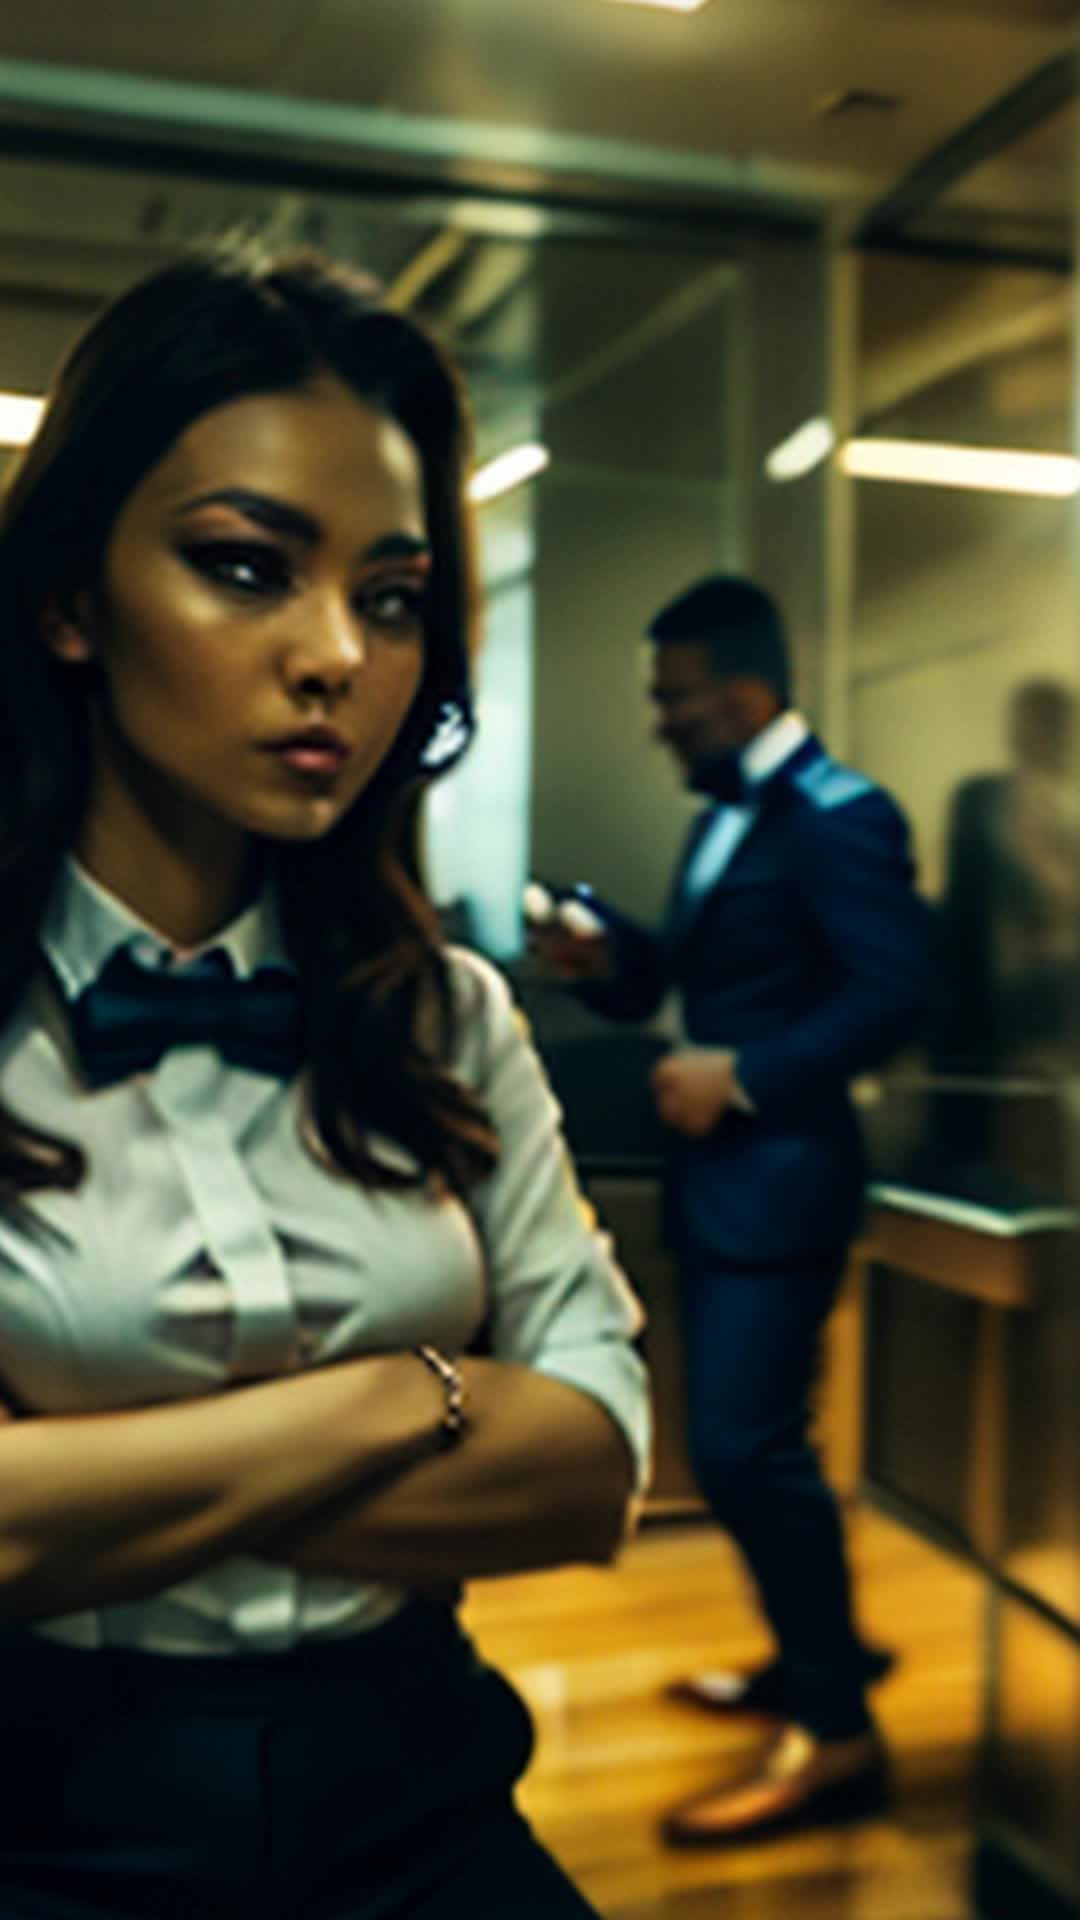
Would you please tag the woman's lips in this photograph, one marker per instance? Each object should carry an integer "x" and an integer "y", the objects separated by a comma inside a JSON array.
[
  {"x": 314, "y": 749},
  {"x": 312, "y": 759}
]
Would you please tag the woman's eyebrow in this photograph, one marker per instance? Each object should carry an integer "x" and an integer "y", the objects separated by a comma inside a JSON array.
[{"x": 278, "y": 516}]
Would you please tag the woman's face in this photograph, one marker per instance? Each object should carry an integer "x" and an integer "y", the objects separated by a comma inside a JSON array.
[{"x": 266, "y": 578}]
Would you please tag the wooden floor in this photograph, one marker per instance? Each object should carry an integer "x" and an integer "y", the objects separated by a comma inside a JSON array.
[{"x": 592, "y": 1649}]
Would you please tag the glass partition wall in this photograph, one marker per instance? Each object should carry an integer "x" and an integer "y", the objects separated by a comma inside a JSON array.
[{"x": 963, "y": 678}]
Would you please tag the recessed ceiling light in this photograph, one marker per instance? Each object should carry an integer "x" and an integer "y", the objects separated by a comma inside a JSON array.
[
  {"x": 507, "y": 471},
  {"x": 669, "y": 6},
  {"x": 802, "y": 451}
]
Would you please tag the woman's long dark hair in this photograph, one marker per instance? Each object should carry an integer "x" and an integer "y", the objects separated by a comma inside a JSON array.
[{"x": 364, "y": 939}]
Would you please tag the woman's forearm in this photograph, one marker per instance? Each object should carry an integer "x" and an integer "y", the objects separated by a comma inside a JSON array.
[
  {"x": 113, "y": 1506},
  {"x": 543, "y": 1477}
]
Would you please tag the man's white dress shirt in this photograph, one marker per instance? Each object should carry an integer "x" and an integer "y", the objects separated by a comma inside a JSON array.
[{"x": 209, "y": 1245}]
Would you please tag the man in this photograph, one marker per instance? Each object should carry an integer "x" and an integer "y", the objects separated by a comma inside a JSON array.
[{"x": 800, "y": 952}]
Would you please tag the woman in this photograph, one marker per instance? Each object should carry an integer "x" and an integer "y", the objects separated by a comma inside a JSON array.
[{"x": 270, "y": 1157}]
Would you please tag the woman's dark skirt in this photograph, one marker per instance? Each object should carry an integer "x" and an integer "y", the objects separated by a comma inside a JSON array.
[{"x": 358, "y": 1779}]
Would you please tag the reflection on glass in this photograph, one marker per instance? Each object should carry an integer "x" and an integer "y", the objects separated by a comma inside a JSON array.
[
  {"x": 1031, "y": 1770},
  {"x": 1012, "y": 897}
]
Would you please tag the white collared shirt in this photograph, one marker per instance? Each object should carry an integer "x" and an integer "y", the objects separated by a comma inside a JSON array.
[
  {"x": 85, "y": 924},
  {"x": 208, "y": 1245}
]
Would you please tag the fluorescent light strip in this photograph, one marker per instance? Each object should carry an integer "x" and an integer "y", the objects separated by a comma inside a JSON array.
[
  {"x": 669, "y": 6},
  {"x": 506, "y": 471},
  {"x": 929, "y": 463},
  {"x": 19, "y": 416}
]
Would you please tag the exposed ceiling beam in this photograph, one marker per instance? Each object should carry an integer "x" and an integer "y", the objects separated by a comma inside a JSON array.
[
  {"x": 1041, "y": 94},
  {"x": 40, "y": 94},
  {"x": 624, "y": 348},
  {"x": 964, "y": 251},
  {"x": 491, "y": 272},
  {"x": 427, "y": 265},
  {"x": 979, "y": 329}
]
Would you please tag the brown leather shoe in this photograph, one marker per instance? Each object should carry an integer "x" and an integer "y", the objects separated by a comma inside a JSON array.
[{"x": 803, "y": 1783}]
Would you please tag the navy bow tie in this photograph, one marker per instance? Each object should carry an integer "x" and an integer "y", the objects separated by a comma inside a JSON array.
[
  {"x": 723, "y": 780},
  {"x": 131, "y": 1015}
]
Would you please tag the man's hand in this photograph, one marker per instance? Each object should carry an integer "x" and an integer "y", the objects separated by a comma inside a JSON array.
[
  {"x": 572, "y": 956},
  {"x": 695, "y": 1089}
]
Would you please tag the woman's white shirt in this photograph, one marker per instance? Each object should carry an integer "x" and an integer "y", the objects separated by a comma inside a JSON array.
[{"x": 208, "y": 1245}]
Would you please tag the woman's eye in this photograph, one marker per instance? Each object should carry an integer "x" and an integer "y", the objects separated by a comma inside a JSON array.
[
  {"x": 245, "y": 567},
  {"x": 393, "y": 603}
]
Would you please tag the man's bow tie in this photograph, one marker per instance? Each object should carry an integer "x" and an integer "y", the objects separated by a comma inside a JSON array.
[
  {"x": 131, "y": 1015},
  {"x": 723, "y": 780}
]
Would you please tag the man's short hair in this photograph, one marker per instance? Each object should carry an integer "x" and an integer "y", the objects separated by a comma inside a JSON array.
[{"x": 739, "y": 623}]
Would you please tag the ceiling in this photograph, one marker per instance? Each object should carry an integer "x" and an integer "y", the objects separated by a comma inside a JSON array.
[
  {"x": 545, "y": 87},
  {"x": 130, "y": 127}
]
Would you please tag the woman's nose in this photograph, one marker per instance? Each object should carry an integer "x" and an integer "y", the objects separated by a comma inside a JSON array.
[{"x": 330, "y": 645}]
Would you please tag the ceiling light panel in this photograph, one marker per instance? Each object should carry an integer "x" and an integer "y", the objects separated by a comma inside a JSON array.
[
  {"x": 802, "y": 451},
  {"x": 982, "y": 469},
  {"x": 507, "y": 471},
  {"x": 666, "y": 6},
  {"x": 20, "y": 414}
]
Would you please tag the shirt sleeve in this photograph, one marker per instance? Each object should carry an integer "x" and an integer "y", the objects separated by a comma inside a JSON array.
[{"x": 560, "y": 1303}]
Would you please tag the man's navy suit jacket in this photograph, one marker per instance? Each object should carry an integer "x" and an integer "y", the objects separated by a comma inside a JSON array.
[{"x": 810, "y": 956}]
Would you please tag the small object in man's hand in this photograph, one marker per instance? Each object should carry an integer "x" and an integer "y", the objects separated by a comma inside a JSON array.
[
  {"x": 579, "y": 919},
  {"x": 537, "y": 904}
]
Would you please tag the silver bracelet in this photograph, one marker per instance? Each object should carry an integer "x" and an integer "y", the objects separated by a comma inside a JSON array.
[{"x": 455, "y": 1418}]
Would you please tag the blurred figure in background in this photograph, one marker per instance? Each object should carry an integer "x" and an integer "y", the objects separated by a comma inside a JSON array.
[
  {"x": 800, "y": 953},
  {"x": 1009, "y": 916}
]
